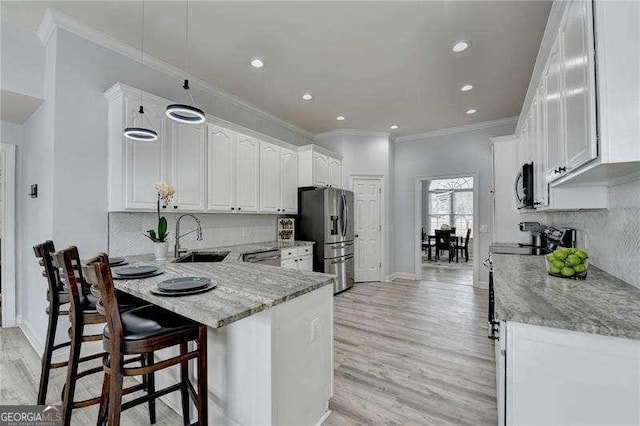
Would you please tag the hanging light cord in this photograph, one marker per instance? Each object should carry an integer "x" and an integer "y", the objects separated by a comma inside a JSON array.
[
  {"x": 187, "y": 63},
  {"x": 142, "y": 55}
]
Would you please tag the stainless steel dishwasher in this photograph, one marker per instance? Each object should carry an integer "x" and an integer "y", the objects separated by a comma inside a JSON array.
[{"x": 271, "y": 257}]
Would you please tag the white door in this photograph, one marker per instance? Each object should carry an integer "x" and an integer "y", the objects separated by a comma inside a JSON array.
[
  {"x": 289, "y": 178},
  {"x": 145, "y": 161},
  {"x": 248, "y": 174},
  {"x": 269, "y": 177},
  {"x": 221, "y": 178},
  {"x": 189, "y": 165},
  {"x": 368, "y": 229},
  {"x": 320, "y": 169},
  {"x": 335, "y": 172},
  {"x": 580, "y": 143}
]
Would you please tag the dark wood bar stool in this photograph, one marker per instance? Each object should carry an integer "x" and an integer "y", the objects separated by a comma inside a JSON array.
[{"x": 140, "y": 332}]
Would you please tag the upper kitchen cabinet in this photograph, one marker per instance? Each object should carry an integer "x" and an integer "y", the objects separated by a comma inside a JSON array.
[
  {"x": 188, "y": 165},
  {"x": 589, "y": 129},
  {"x": 135, "y": 166},
  {"x": 289, "y": 180},
  {"x": 278, "y": 179},
  {"x": 319, "y": 167},
  {"x": 248, "y": 173},
  {"x": 221, "y": 178}
]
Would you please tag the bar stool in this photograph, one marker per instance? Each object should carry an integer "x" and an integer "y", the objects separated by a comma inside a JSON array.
[{"x": 142, "y": 331}]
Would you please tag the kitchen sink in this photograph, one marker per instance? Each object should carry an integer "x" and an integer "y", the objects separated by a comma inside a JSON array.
[{"x": 202, "y": 257}]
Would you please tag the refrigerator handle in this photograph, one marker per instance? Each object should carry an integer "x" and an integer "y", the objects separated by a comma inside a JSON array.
[
  {"x": 346, "y": 216},
  {"x": 343, "y": 214}
]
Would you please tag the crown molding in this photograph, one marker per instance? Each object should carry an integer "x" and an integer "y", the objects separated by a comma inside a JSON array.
[
  {"x": 349, "y": 132},
  {"x": 459, "y": 129},
  {"x": 53, "y": 19}
]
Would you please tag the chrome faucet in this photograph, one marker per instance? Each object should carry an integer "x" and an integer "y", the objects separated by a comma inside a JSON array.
[{"x": 177, "y": 250}]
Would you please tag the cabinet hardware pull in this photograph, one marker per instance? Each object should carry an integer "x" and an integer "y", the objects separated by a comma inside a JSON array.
[
  {"x": 239, "y": 208},
  {"x": 233, "y": 208},
  {"x": 175, "y": 207},
  {"x": 562, "y": 169}
]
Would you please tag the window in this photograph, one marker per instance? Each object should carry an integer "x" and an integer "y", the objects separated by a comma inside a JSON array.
[{"x": 450, "y": 202}]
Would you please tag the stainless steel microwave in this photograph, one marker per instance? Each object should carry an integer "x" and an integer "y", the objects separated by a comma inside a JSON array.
[{"x": 524, "y": 187}]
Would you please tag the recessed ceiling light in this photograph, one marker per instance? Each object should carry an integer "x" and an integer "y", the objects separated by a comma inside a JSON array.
[
  {"x": 471, "y": 111},
  {"x": 340, "y": 118},
  {"x": 307, "y": 96},
  {"x": 466, "y": 87},
  {"x": 257, "y": 63},
  {"x": 461, "y": 46},
  {"x": 394, "y": 127}
]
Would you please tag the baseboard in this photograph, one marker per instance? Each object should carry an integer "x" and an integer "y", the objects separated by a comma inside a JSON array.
[
  {"x": 324, "y": 417},
  {"x": 483, "y": 284},
  {"x": 31, "y": 337},
  {"x": 388, "y": 278},
  {"x": 404, "y": 275}
]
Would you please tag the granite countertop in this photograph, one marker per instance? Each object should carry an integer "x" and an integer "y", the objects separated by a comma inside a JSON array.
[
  {"x": 237, "y": 251},
  {"x": 243, "y": 288},
  {"x": 601, "y": 304}
]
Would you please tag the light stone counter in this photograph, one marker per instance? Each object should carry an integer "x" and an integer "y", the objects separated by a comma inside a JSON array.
[
  {"x": 601, "y": 304},
  {"x": 243, "y": 288}
]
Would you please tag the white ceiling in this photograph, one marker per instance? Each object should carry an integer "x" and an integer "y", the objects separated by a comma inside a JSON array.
[{"x": 376, "y": 63}]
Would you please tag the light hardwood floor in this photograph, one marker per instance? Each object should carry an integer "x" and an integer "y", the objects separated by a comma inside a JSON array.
[
  {"x": 406, "y": 352},
  {"x": 412, "y": 352}
]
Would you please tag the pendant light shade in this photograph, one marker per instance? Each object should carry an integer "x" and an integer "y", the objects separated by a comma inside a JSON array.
[
  {"x": 141, "y": 133},
  {"x": 185, "y": 113}
]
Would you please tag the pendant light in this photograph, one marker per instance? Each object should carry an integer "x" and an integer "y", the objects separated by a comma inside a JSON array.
[
  {"x": 141, "y": 133},
  {"x": 181, "y": 112}
]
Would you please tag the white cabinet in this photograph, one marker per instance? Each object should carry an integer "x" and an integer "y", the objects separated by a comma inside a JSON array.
[
  {"x": 188, "y": 165},
  {"x": 269, "y": 177},
  {"x": 221, "y": 180},
  {"x": 556, "y": 376},
  {"x": 247, "y": 173},
  {"x": 300, "y": 258},
  {"x": 134, "y": 166},
  {"x": 289, "y": 181},
  {"x": 319, "y": 167},
  {"x": 589, "y": 122},
  {"x": 335, "y": 172},
  {"x": 576, "y": 31}
]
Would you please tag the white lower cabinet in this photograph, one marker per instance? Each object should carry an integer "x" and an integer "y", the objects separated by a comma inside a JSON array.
[
  {"x": 300, "y": 258},
  {"x": 556, "y": 376}
]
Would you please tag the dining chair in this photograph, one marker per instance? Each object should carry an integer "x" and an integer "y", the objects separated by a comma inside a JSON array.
[
  {"x": 444, "y": 243},
  {"x": 464, "y": 248}
]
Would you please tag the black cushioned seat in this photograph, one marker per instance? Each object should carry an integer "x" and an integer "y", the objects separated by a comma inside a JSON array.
[{"x": 149, "y": 321}]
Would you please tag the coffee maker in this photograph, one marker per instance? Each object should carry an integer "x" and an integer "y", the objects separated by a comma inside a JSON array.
[{"x": 548, "y": 236}]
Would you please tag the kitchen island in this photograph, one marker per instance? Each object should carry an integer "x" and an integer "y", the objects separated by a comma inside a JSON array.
[{"x": 270, "y": 340}]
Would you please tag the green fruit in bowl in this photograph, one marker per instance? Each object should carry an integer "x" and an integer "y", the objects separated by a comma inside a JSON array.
[
  {"x": 551, "y": 258},
  {"x": 581, "y": 254},
  {"x": 567, "y": 271},
  {"x": 560, "y": 254},
  {"x": 579, "y": 268},
  {"x": 558, "y": 264},
  {"x": 573, "y": 260},
  {"x": 554, "y": 270}
]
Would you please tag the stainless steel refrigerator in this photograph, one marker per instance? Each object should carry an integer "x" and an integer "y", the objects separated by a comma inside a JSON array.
[{"x": 326, "y": 217}]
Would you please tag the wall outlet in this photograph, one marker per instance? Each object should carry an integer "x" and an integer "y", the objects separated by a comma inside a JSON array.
[
  {"x": 484, "y": 229},
  {"x": 314, "y": 329}
]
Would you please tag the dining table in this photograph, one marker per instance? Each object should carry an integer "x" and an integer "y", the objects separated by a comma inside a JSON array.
[{"x": 431, "y": 242}]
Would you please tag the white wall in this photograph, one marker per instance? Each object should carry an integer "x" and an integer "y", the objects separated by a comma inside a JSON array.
[
  {"x": 460, "y": 153},
  {"x": 22, "y": 61}
]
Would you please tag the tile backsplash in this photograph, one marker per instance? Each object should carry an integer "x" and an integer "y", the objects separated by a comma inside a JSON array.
[
  {"x": 611, "y": 237},
  {"x": 126, "y": 230}
]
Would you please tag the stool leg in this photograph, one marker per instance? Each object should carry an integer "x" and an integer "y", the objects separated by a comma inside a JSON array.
[
  {"x": 151, "y": 387},
  {"x": 203, "y": 414},
  {"x": 104, "y": 400},
  {"x": 184, "y": 393},
  {"x": 72, "y": 371},
  {"x": 115, "y": 390},
  {"x": 48, "y": 352}
]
